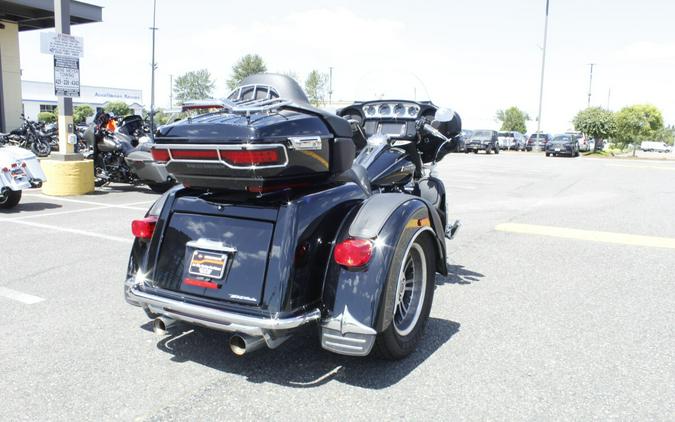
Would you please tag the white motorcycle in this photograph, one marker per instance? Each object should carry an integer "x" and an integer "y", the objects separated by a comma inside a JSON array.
[{"x": 19, "y": 169}]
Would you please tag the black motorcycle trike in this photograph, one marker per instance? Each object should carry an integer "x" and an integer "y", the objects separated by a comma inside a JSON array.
[{"x": 277, "y": 225}]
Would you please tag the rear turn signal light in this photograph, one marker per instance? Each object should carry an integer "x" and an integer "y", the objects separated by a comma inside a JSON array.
[
  {"x": 143, "y": 228},
  {"x": 254, "y": 157},
  {"x": 160, "y": 155},
  {"x": 353, "y": 252}
]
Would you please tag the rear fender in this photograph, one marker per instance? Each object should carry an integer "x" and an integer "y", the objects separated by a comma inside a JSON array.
[
  {"x": 353, "y": 297},
  {"x": 145, "y": 168}
]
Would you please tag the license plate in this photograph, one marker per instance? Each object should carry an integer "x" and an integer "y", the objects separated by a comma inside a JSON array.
[
  {"x": 557, "y": 150},
  {"x": 208, "y": 264},
  {"x": 18, "y": 173}
]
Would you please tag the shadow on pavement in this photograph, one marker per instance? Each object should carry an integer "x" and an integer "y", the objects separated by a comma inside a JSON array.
[
  {"x": 301, "y": 362},
  {"x": 31, "y": 207},
  {"x": 116, "y": 188},
  {"x": 457, "y": 274}
]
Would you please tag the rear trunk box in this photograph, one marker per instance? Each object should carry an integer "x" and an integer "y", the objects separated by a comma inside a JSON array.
[{"x": 255, "y": 152}]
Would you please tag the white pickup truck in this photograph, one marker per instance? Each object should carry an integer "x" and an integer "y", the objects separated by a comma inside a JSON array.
[
  {"x": 655, "y": 146},
  {"x": 19, "y": 169}
]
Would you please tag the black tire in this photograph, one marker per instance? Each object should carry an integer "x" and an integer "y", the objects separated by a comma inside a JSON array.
[
  {"x": 41, "y": 148},
  {"x": 466, "y": 151},
  {"x": 548, "y": 154},
  {"x": 401, "y": 336},
  {"x": 496, "y": 149},
  {"x": 10, "y": 200},
  {"x": 160, "y": 187},
  {"x": 487, "y": 150}
]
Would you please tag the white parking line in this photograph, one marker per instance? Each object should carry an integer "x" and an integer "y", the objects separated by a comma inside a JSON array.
[
  {"x": 67, "y": 230},
  {"x": 590, "y": 235},
  {"x": 79, "y": 201},
  {"x": 49, "y": 214},
  {"x": 637, "y": 166},
  {"x": 19, "y": 297}
]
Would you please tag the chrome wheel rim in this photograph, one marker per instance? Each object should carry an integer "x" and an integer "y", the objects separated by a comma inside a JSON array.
[{"x": 410, "y": 291}]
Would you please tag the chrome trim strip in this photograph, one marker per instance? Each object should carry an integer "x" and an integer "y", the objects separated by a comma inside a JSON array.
[
  {"x": 217, "y": 319},
  {"x": 238, "y": 147},
  {"x": 210, "y": 245},
  {"x": 306, "y": 143}
]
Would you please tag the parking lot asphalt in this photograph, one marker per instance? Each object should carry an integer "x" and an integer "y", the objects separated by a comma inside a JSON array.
[{"x": 559, "y": 306}]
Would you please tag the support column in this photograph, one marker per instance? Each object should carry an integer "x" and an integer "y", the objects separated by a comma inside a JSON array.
[{"x": 67, "y": 172}]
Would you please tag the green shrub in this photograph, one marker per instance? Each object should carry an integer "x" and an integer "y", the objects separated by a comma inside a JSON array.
[{"x": 46, "y": 116}]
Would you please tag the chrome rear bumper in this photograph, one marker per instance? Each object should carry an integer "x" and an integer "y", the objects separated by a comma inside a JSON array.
[{"x": 215, "y": 318}]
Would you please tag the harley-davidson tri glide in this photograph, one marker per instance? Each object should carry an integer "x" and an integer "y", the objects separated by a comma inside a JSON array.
[{"x": 279, "y": 223}]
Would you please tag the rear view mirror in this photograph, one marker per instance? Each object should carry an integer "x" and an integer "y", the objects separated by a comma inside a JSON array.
[{"x": 444, "y": 115}]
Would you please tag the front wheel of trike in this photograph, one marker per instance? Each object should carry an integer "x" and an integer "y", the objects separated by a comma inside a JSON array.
[{"x": 411, "y": 283}]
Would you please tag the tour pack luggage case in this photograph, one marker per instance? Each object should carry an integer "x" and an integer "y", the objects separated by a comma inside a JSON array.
[{"x": 267, "y": 137}]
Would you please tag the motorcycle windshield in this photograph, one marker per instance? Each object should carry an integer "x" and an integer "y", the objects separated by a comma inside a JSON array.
[{"x": 387, "y": 84}]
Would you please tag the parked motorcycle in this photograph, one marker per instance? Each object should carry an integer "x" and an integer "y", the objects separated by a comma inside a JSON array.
[
  {"x": 117, "y": 160},
  {"x": 28, "y": 136},
  {"x": 277, "y": 225},
  {"x": 19, "y": 169}
]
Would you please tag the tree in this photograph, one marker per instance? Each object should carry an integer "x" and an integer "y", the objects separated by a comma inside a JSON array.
[
  {"x": 513, "y": 119},
  {"x": 81, "y": 113},
  {"x": 118, "y": 108},
  {"x": 250, "y": 64},
  {"x": 666, "y": 134},
  {"x": 597, "y": 123},
  {"x": 315, "y": 87},
  {"x": 195, "y": 85},
  {"x": 637, "y": 123},
  {"x": 46, "y": 116}
]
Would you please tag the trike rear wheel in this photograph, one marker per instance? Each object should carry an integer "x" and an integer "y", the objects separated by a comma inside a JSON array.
[{"x": 411, "y": 282}]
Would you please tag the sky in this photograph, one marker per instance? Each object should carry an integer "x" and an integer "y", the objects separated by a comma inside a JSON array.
[{"x": 474, "y": 56}]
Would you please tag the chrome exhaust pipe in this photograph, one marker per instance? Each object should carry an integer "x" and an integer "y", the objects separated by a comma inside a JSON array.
[
  {"x": 241, "y": 344},
  {"x": 161, "y": 324}
]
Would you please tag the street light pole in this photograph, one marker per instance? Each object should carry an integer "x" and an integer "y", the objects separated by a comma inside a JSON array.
[
  {"x": 543, "y": 66},
  {"x": 590, "y": 83},
  {"x": 170, "y": 91},
  {"x": 330, "y": 85},
  {"x": 154, "y": 66}
]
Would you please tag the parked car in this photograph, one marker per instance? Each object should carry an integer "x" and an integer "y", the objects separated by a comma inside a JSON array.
[
  {"x": 511, "y": 140},
  {"x": 582, "y": 141},
  {"x": 538, "y": 140},
  {"x": 483, "y": 140},
  {"x": 564, "y": 144},
  {"x": 655, "y": 146}
]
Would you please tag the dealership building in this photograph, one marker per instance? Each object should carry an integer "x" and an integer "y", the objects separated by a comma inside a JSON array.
[
  {"x": 27, "y": 15},
  {"x": 39, "y": 96}
]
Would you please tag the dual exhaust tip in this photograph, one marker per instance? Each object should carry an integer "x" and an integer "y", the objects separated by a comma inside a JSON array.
[{"x": 240, "y": 344}]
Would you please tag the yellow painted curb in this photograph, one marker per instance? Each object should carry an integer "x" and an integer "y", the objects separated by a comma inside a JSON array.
[{"x": 68, "y": 177}]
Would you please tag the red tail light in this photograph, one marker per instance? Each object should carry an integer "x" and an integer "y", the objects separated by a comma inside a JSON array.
[
  {"x": 353, "y": 252},
  {"x": 160, "y": 155},
  {"x": 253, "y": 157},
  {"x": 194, "y": 154},
  {"x": 143, "y": 228}
]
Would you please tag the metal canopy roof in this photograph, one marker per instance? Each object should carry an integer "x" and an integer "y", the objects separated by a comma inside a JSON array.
[{"x": 39, "y": 14}]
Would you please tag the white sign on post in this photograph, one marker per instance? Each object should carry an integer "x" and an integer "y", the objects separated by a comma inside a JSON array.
[
  {"x": 61, "y": 44},
  {"x": 66, "y": 76},
  {"x": 67, "y": 51}
]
